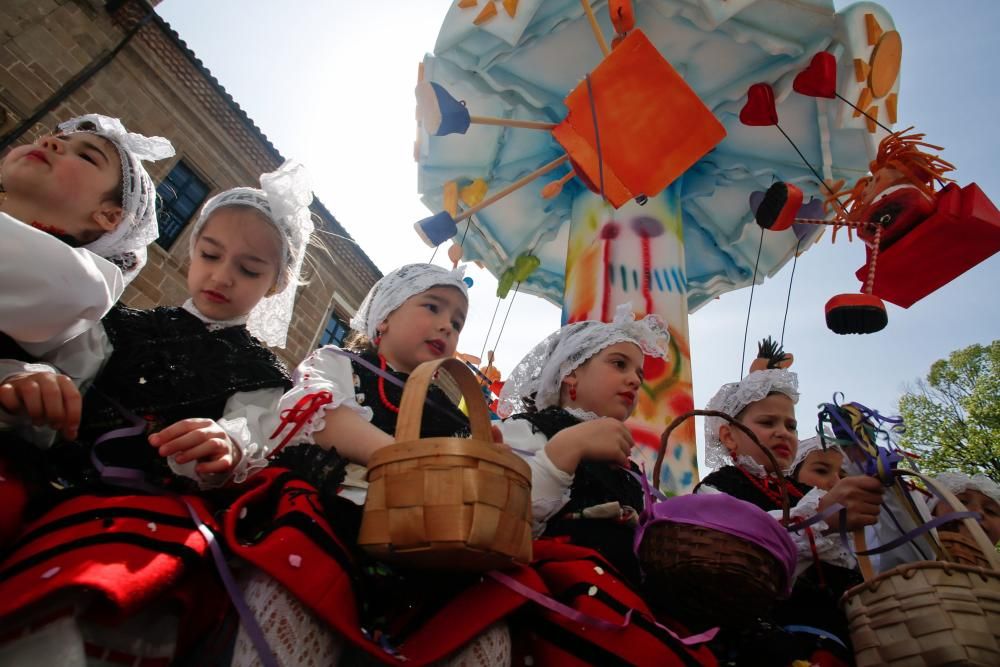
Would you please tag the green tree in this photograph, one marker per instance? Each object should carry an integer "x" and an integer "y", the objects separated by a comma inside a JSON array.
[{"x": 953, "y": 417}]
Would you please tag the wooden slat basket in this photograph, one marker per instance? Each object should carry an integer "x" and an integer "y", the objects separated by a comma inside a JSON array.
[
  {"x": 447, "y": 503},
  {"x": 710, "y": 575},
  {"x": 928, "y": 613}
]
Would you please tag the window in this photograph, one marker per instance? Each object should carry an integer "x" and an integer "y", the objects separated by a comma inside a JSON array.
[
  {"x": 181, "y": 193},
  {"x": 335, "y": 331}
]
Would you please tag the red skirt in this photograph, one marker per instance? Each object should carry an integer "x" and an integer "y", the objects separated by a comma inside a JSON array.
[
  {"x": 281, "y": 527},
  {"x": 131, "y": 550}
]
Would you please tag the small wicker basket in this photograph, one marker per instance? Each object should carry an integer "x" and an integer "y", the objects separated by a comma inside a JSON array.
[
  {"x": 706, "y": 575},
  {"x": 446, "y": 503},
  {"x": 928, "y": 613}
]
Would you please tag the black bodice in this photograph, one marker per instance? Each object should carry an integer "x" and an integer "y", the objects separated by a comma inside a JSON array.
[
  {"x": 166, "y": 365},
  {"x": 441, "y": 417},
  {"x": 595, "y": 483}
]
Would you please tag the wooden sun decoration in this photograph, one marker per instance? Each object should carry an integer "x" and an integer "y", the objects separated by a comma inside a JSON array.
[
  {"x": 878, "y": 74},
  {"x": 489, "y": 10},
  {"x": 633, "y": 126}
]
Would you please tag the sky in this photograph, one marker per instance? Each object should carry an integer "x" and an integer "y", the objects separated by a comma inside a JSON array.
[{"x": 331, "y": 85}]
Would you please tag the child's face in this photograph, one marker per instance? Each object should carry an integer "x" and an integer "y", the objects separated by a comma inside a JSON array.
[
  {"x": 772, "y": 420},
  {"x": 424, "y": 328},
  {"x": 821, "y": 469},
  {"x": 66, "y": 181},
  {"x": 975, "y": 501},
  {"x": 608, "y": 383},
  {"x": 235, "y": 263}
]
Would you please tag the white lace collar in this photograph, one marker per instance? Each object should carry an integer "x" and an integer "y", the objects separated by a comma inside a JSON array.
[
  {"x": 582, "y": 415},
  {"x": 213, "y": 325}
]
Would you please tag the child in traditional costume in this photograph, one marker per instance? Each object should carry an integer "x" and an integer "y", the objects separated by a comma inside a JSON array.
[
  {"x": 77, "y": 210},
  {"x": 565, "y": 405},
  {"x": 978, "y": 493},
  {"x": 182, "y": 401},
  {"x": 343, "y": 408},
  {"x": 809, "y": 625},
  {"x": 817, "y": 465}
]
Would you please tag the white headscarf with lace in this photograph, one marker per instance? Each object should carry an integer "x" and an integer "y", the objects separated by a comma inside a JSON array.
[
  {"x": 537, "y": 379},
  {"x": 958, "y": 482},
  {"x": 810, "y": 445},
  {"x": 396, "y": 287},
  {"x": 734, "y": 397},
  {"x": 126, "y": 245},
  {"x": 284, "y": 200}
]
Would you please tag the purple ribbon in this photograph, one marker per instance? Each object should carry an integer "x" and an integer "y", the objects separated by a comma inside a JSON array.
[
  {"x": 133, "y": 479},
  {"x": 586, "y": 619},
  {"x": 911, "y": 535}
]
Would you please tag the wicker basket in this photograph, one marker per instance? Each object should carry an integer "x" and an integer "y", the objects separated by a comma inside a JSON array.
[
  {"x": 928, "y": 613},
  {"x": 707, "y": 575},
  {"x": 962, "y": 548},
  {"x": 446, "y": 503}
]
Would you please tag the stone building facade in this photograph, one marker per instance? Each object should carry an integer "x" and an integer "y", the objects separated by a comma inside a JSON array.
[{"x": 157, "y": 86}]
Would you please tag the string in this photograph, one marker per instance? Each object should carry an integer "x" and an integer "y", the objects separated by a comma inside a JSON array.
[
  {"x": 753, "y": 283},
  {"x": 813, "y": 170},
  {"x": 486, "y": 339},
  {"x": 496, "y": 343},
  {"x": 864, "y": 113},
  {"x": 788, "y": 300},
  {"x": 431, "y": 260}
]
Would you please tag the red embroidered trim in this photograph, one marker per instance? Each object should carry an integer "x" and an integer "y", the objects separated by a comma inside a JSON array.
[
  {"x": 299, "y": 415},
  {"x": 769, "y": 487}
]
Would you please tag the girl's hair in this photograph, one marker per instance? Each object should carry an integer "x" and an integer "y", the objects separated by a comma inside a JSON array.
[{"x": 358, "y": 342}]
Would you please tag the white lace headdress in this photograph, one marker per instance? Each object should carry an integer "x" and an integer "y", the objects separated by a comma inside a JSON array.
[
  {"x": 957, "y": 482},
  {"x": 810, "y": 445},
  {"x": 126, "y": 245},
  {"x": 537, "y": 378},
  {"x": 732, "y": 398},
  {"x": 397, "y": 286},
  {"x": 284, "y": 199}
]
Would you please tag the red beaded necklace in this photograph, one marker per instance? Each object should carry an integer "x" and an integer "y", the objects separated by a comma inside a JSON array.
[
  {"x": 381, "y": 388},
  {"x": 770, "y": 488}
]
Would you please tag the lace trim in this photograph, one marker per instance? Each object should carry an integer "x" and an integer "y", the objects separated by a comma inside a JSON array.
[
  {"x": 828, "y": 547},
  {"x": 253, "y": 455},
  {"x": 732, "y": 398},
  {"x": 295, "y": 635},
  {"x": 582, "y": 415},
  {"x": 538, "y": 376}
]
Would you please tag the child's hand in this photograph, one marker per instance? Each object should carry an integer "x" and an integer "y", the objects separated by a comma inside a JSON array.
[
  {"x": 603, "y": 439},
  {"x": 862, "y": 496},
  {"x": 48, "y": 399},
  {"x": 197, "y": 439}
]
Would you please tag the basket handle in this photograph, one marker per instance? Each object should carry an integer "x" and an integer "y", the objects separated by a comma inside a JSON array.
[
  {"x": 411, "y": 407},
  {"x": 785, "y": 506},
  {"x": 978, "y": 534}
]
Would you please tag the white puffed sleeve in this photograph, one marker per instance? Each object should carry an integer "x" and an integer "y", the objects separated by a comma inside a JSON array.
[
  {"x": 550, "y": 486},
  {"x": 829, "y": 547},
  {"x": 249, "y": 419},
  {"x": 322, "y": 371},
  {"x": 51, "y": 291}
]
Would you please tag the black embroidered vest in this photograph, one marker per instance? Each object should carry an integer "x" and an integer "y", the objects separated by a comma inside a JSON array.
[{"x": 594, "y": 483}]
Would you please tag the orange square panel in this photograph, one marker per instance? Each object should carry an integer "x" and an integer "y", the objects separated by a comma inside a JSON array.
[{"x": 652, "y": 125}]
